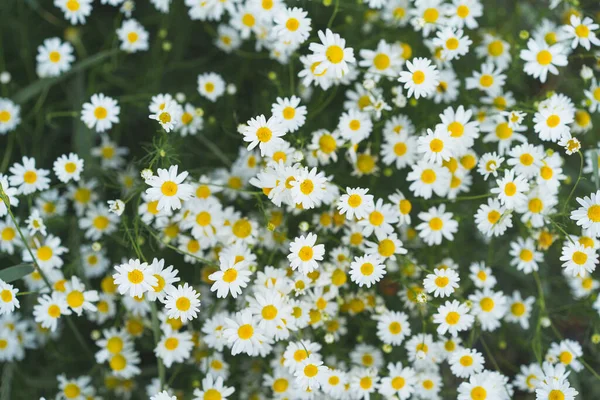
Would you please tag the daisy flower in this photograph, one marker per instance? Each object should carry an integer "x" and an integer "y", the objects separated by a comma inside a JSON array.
[
  {"x": 98, "y": 222},
  {"x": 581, "y": 31},
  {"x": 310, "y": 372},
  {"x": 289, "y": 113},
  {"x": 78, "y": 298},
  {"x": 435, "y": 147},
  {"x": 453, "y": 317},
  {"x": 592, "y": 95},
  {"x": 356, "y": 203},
  {"x": 263, "y": 133},
  {"x": 488, "y": 307},
  {"x": 541, "y": 58},
  {"x": 9, "y": 115},
  {"x": 525, "y": 256},
  {"x": 466, "y": 362},
  {"x": 383, "y": 61},
  {"x": 304, "y": 253},
  {"x": 367, "y": 270},
  {"x": 169, "y": 115},
  {"x": 292, "y": 25},
  {"x": 428, "y": 178},
  {"x": 493, "y": 219},
  {"x": 495, "y": 50},
  {"x": 47, "y": 253},
  {"x": 181, "y": 302},
  {"x": 393, "y": 327},
  {"x": 68, "y": 167},
  {"x": 27, "y": 178},
  {"x": 76, "y": 11},
  {"x": 165, "y": 278},
  {"x": 355, "y": 126},
  {"x": 309, "y": 188},
  {"x": 421, "y": 78},
  {"x": 588, "y": 214},
  {"x": 54, "y": 58},
  {"x": 211, "y": 86},
  {"x": 174, "y": 347},
  {"x": 453, "y": 44},
  {"x": 133, "y": 36},
  {"x": 168, "y": 188},
  {"x": 399, "y": 381},
  {"x": 519, "y": 309},
  {"x": 233, "y": 275},
  {"x": 331, "y": 55},
  {"x": 243, "y": 334},
  {"x": 490, "y": 80},
  {"x": 511, "y": 190},
  {"x": 100, "y": 113},
  {"x": 8, "y": 298},
  {"x": 134, "y": 277},
  {"x": 442, "y": 283},
  {"x": 49, "y": 309},
  {"x": 567, "y": 353},
  {"x": 578, "y": 259},
  {"x": 213, "y": 388},
  {"x": 437, "y": 223}
]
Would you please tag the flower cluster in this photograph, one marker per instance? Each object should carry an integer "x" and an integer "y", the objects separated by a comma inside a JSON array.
[{"x": 268, "y": 199}]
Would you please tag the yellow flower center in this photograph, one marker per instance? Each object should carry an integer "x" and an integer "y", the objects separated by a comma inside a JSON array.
[
  {"x": 431, "y": 15},
  {"x": 367, "y": 269},
  {"x": 54, "y": 56},
  {"x": 381, "y": 61},
  {"x": 428, "y": 176},
  {"x": 335, "y": 54},
  {"x": 169, "y": 188},
  {"x": 579, "y": 257},
  {"x": 44, "y": 253},
  {"x": 418, "y": 77},
  {"x": 264, "y": 134},
  {"x": 487, "y": 304},
  {"x": 135, "y": 276},
  {"x": 436, "y": 223},
  {"x": 544, "y": 57},
  {"x": 30, "y": 177},
  {"x": 75, "y": 299},
  {"x": 100, "y": 112},
  {"x": 452, "y": 318},
  {"x": 183, "y": 304}
]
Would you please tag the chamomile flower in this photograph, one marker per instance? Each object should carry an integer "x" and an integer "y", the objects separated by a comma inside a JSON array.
[
  {"x": 54, "y": 58},
  {"x": 331, "y": 55},
  {"x": 168, "y": 188},
  {"x": 437, "y": 224},
  {"x": 304, "y": 253},
  {"x": 68, "y": 167},
  {"x": 263, "y": 133},
  {"x": 490, "y": 80},
  {"x": 367, "y": 270},
  {"x": 76, "y": 11},
  {"x": 581, "y": 31},
  {"x": 134, "y": 277},
  {"x": 493, "y": 219},
  {"x": 393, "y": 327},
  {"x": 169, "y": 115},
  {"x": 35, "y": 224},
  {"x": 289, "y": 113},
  {"x": 10, "y": 116},
  {"x": 174, "y": 347},
  {"x": 133, "y": 36},
  {"x": 435, "y": 147},
  {"x": 165, "y": 278},
  {"x": 355, "y": 126},
  {"x": 428, "y": 178},
  {"x": 308, "y": 188},
  {"x": 78, "y": 298},
  {"x": 49, "y": 309},
  {"x": 541, "y": 58},
  {"x": 588, "y": 214},
  {"x": 8, "y": 298},
  {"x": 98, "y": 221},
  {"x": 383, "y": 61},
  {"x": 421, "y": 79},
  {"x": 213, "y": 388},
  {"x": 525, "y": 256},
  {"x": 400, "y": 381},
  {"x": 211, "y": 86},
  {"x": 27, "y": 178},
  {"x": 578, "y": 259},
  {"x": 243, "y": 334},
  {"x": 519, "y": 309},
  {"x": 47, "y": 252},
  {"x": 356, "y": 203},
  {"x": 454, "y": 45},
  {"x": 292, "y": 25},
  {"x": 232, "y": 276},
  {"x": 182, "y": 302},
  {"x": 511, "y": 190},
  {"x": 100, "y": 113},
  {"x": 488, "y": 307},
  {"x": 466, "y": 362},
  {"x": 453, "y": 317},
  {"x": 488, "y": 164},
  {"x": 442, "y": 283}
]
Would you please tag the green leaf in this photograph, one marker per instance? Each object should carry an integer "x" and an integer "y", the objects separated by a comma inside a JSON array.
[
  {"x": 16, "y": 272},
  {"x": 36, "y": 87}
]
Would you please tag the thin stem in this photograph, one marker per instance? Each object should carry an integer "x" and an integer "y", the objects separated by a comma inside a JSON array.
[
  {"x": 335, "y": 11},
  {"x": 576, "y": 182}
]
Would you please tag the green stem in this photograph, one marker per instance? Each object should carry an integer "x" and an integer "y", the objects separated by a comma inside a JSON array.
[{"x": 576, "y": 182}]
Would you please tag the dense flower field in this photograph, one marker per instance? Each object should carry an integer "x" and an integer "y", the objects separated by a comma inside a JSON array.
[{"x": 294, "y": 199}]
